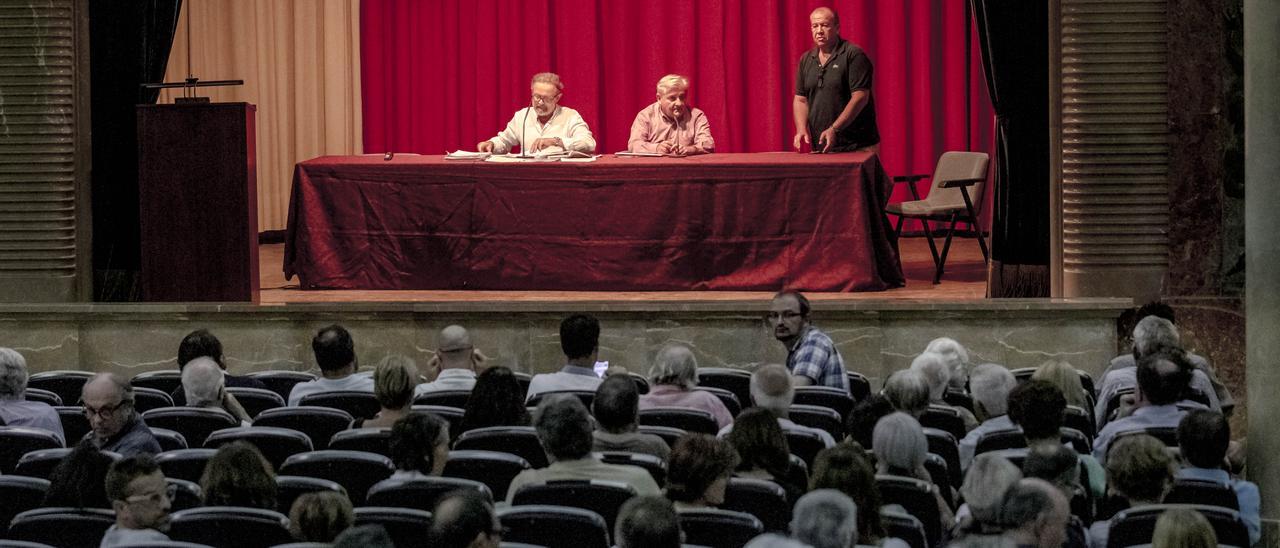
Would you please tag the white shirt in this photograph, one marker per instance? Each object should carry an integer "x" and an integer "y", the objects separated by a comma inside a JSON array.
[
  {"x": 449, "y": 379},
  {"x": 564, "y": 123},
  {"x": 571, "y": 377},
  {"x": 359, "y": 382},
  {"x": 120, "y": 536}
]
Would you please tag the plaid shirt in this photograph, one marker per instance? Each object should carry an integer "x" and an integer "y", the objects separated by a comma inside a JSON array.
[{"x": 816, "y": 357}]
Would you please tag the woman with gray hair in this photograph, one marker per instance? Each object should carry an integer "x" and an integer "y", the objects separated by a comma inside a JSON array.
[
  {"x": 983, "y": 490},
  {"x": 825, "y": 518},
  {"x": 673, "y": 377},
  {"x": 956, "y": 357},
  {"x": 15, "y": 410},
  {"x": 900, "y": 449},
  {"x": 937, "y": 373}
]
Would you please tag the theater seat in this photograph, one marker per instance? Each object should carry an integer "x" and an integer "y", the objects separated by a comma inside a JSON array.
[
  {"x": 40, "y": 464},
  {"x": 19, "y": 494},
  {"x": 281, "y": 381},
  {"x": 167, "y": 380},
  {"x": 318, "y": 423},
  {"x": 451, "y": 415},
  {"x": 169, "y": 440},
  {"x": 276, "y": 444},
  {"x": 602, "y": 497},
  {"x": 1136, "y": 525},
  {"x": 359, "y": 404},
  {"x": 805, "y": 445},
  {"x": 817, "y": 416},
  {"x": 859, "y": 386},
  {"x": 958, "y": 398},
  {"x": 656, "y": 467},
  {"x": 62, "y": 527},
  {"x": 407, "y": 527},
  {"x": 186, "y": 494},
  {"x": 421, "y": 494},
  {"x": 74, "y": 424},
  {"x": 825, "y": 396},
  {"x": 765, "y": 500},
  {"x": 905, "y": 527},
  {"x": 194, "y": 423},
  {"x": 719, "y": 528},
  {"x": 587, "y": 396},
  {"x": 1195, "y": 491},
  {"x": 66, "y": 384},
  {"x": 146, "y": 399},
  {"x": 737, "y": 381},
  {"x": 43, "y": 396},
  {"x": 944, "y": 418},
  {"x": 445, "y": 398},
  {"x": 16, "y": 441},
  {"x": 289, "y": 488},
  {"x": 726, "y": 397},
  {"x": 667, "y": 433},
  {"x": 371, "y": 440},
  {"x": 944, "y": 445},
  {"x": 917, "y": 498},
  {"x": 230, "y": 526},
  {"x": 521, "y": 441},
  {"x": 356, "y": 471},
  {"x": 255, "y": 400},
  {"x": 187, "y": 464},
  {"x": 554, "y": 526},
  {"x": 687, "y": 419},
  {"x": 494, "y": 469}
]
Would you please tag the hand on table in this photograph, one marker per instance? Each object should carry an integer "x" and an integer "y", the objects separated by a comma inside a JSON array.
[
  {"x": 827, "y": 139},
  {"x": 802, "y": 138},
  {"x": 545, "y": 142},
  {"x": 485, "y": 146}
]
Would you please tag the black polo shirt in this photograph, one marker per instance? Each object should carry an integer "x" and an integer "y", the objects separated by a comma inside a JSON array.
[{"x": 828, "y": 88}]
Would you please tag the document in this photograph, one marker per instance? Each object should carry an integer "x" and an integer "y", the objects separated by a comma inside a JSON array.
[
  {"x": 626, "y": 154},
  {"x": 466, "y": 155}
]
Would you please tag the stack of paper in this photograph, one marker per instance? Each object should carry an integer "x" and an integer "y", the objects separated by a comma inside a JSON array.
[{"x": 466, "y": 155}]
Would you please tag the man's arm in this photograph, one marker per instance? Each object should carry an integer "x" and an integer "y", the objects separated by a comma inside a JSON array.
[
  {"x": 578, "y": 136},
  {"x": 505, "y": 139},
  {"x": 851, "y": 110},
  {"x": 800, "y": 111},
  {"x": 703, "y": 143},
  {"x": 801, "y": 380},
  {"x": 639, "y": 140}
]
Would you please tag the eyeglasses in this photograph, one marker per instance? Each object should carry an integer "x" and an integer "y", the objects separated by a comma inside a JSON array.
[
  {"x": 822, "y": 71},
  {"x": 542, "y": 100},
  {"x": 779, "y": 316},
  {"x": 106, "y": 411},
  {"x": 170, "y": 492}
]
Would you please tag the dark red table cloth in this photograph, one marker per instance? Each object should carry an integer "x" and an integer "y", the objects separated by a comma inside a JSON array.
[{"x": 720, "y": 222}]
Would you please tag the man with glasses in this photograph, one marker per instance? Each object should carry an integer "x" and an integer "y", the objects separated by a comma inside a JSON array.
[
  {"x": 463, "y": 519},
  {"x": 141, "y": 499},
  {"x": 552, "y": 128},
  {"x": 833, "y": 108},
  {"x": 811, "y": 356},
  {"x": 457, "y": 360},
  {"x": 116, "y": 426}
]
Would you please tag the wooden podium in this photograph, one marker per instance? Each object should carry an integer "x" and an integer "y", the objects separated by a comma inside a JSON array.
[{"x": 198, "y": 202}]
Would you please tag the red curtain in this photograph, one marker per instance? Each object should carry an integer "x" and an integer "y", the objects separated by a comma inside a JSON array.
[{"x": 444, "y": 75}]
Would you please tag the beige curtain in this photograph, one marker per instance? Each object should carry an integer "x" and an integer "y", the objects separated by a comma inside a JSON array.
[{"x": 300, "y": 61}]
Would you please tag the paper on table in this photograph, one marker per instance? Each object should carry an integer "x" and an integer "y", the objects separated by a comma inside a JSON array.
[
  {"x": 466, "y": 155},
  {"x": 626, "y": 153}
]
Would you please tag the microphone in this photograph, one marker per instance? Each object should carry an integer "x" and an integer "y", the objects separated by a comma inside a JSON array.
[{"x": 524, "y": 146}]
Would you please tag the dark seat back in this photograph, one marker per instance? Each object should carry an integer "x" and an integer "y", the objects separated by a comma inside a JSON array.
[
  {"x": 187, "y": 464},
  {"x": 1080, "y": 419},
  {"x": 668, "y": 434},
  {"x": 40, "y": 464},
  {"x": 825, "y": 396},
  {"x": 943, "y": 418},
  {"x": 816, "y": 416},
  {"x": 859, "y": 386},
  {"x": 281, "y": 382},
  {"x": 356, "y": 471},
  {"x": 917, "y": 498},
  {"x": 66, "y": 384},
  {"x": 944, "y": 445},
  {"x": 451, "y": 415},
  {"x": 358, "y": 404},
  {"x": 42, "y": 396},
  {"x": 230, "y": 526},
  {"x": 289, "y": 488},
  {"x": 941, "y": 476},
  {"x": 407, "y": 527},
  {"x": 494, "y": 469},
  {"x": 422, "y": 494},
  {"x": 318, "y": 423},
  {"x": 146, "y": 399},
  {"x": 276, "y": 444},
  {"x": 958, "y": 398},
  {"x": 719, "y": 528},
  {"x": 186, "y": 494},
  {"x": 74, "y": 424},
  {"x": 656, "y": 467},
  {"x": 194, "y": 423},
  {"x": 19, "y": 494},
  {"x": 905, "y": 527},
  {"x": 805, "y": 445},
  {"x": 169, "y": 440},
  {"x": 587, "y": 396},
  {"x": 1136, "y": 525},
  {"x": 765, "y": 500},
  {"x": 1206, "y": 492},
  {"x": 521, "y": 441},
  {"x": 684, "y": 418},
  {"x": 371, "y": 440},
  {"x": 730, "y": 401},
  {"x": 737, "y": 381},
  {"x": 255, "y": 400},
  {"x": 995, "y": 440},
  {"x": 16, "y": 441},
  {"x": 62, "y": 527},
  {"x": 445, "y": 398},
  {"x": 554, "y": 526},
  {"x": 642, "y": 384},
  {"x": 166, "y": 380},
  {"x": 602, "y": 497}
]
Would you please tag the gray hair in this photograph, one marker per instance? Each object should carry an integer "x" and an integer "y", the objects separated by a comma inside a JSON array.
[
  {"x": 990, "y": 385},
  {"x": 202, "y": 382},
  {"x": 984, "y": 486},
  {"x": 774, "y": 540},
  {"x": 936, "y": 373},
  {"x": 564, "y": 427},
  {"x": 1153, "y": 333},
  {"x": 825, "y": 518},
  {"x": 547, "y": 78},
  {"x": 956, "y": 356},
  {"x": 898, "y": 442},
  {"x": 907, "y": 391},
  {"x": 772, "y": 389},
  {"x": 1026, "y": 501},
  {"x": 672, "y": 81},
  {"x": 118, "y": 382},
  {"x": 675, "y": 364},
  {"x": 13, "y": 374}
]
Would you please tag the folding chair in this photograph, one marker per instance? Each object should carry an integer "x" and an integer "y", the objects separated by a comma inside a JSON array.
[{"x": 949, "y": 199}]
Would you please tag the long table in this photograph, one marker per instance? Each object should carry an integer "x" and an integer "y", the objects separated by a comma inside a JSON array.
[{"x": 760, "y": 221}]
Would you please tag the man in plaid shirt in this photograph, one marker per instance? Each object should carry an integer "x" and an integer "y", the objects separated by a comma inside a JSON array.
[{"x": 811, "y": 356}]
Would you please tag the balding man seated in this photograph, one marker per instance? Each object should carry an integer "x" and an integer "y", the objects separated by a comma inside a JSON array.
[
  {"x": 463, "y": 519},
  {"x": 204, "y": 384},
  {"x": 1162, "y": 379},
  {"x": 670, "y": 125},
  {"x": 1036, "y": 514},
  {"x": 115, "y": 424},
  {"x": 15, "y": 410},
  {"x": 457, "y": 358},
  {"x": 771, "y": 389}
]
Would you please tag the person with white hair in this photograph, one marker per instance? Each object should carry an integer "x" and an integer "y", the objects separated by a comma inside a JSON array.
[
  {"x": 937, "y": 374},
  {"x": 15, "y": 410},
  {"x": 672, "y": 379},
  {"x": 956, "y": 357},
  {"x": 551, "y": 128},
  {"x": 825, "y": 518},
  {"x": 990, "y": 385},
  {"x": 204, "y": 385},
  {"x": 907, "y": 391},
  {"x": 983, "y": 491},
  {"x": 900, "y": 448},
  {"x": 670, "y": 125},
  {"x": 1151, "y": 335},
  {"x": 771, "y": 389},
  {"x": 774, "y": 540}
]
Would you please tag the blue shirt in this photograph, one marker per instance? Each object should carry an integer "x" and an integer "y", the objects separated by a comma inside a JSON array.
[
  {"x": 132, "y": 440},
  {"x": 1149, "y": 416},
  {"x": 1246, "y": 493},
  {"x": 815, "y": 356},
  {"x": 969, "y": 443}
]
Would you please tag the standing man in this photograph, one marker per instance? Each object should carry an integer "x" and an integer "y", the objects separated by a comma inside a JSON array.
[
  {"x": 670, "y": 125},
  {"x": 833, "y": 107},
  {"x": 551, "y": 128},
  {"x": 811, "y": 356}
]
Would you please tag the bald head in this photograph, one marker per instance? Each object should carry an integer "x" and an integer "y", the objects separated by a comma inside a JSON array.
[
  {"x": 1036, "y": 513},
  {"x": 202, "y": 381},
  {"x": 771, "y": 389},
  {"x": 455, "y": 348},
  {"x": 462, "y": 519},
  {"x": 106, "y": 386},
  {"x": 825, "y": 13}
]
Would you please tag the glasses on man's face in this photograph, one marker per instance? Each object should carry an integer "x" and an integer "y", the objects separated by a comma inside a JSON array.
[
  {"x": 104, "y": 412},
  {"x": 776, "y": 317},
  {"x": 544, "y": 99},
  {"x": 170, "y": 491}
]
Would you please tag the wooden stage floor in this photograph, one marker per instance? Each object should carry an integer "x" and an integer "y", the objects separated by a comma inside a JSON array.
[{"x": 965, "y": 279}]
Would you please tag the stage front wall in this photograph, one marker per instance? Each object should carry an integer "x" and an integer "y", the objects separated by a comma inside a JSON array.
[{"x": 718, "y": 222}]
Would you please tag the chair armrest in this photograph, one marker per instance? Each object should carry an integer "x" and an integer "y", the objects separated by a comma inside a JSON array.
[
  {"x": 957, "y": 183},
  {"x": 909, "y": 178}
]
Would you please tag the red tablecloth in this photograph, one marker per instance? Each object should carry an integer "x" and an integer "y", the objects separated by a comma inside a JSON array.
[{"x": 721, "y": 221}]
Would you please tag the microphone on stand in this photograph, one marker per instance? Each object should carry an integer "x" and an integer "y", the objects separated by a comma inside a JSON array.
[{"x": 524, "y": 148}]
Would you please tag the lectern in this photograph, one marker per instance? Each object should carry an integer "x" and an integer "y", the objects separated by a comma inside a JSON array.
[{"x": 197, "y": 190}]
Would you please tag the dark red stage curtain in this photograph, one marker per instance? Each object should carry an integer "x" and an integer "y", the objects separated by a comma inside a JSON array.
[{"x": 443, "y": 75}]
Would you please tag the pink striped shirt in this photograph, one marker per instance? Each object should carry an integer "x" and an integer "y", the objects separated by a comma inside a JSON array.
[
  {"x": 669, "y": 395},
  {"x": 652, "y": 128}
]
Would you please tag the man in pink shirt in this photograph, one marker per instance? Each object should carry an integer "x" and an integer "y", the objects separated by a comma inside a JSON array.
[{"x": 670, "y": 125}]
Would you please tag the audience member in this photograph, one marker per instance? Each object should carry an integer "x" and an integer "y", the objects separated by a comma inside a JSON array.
[
  {"x": 865, "y": 415},
  {"x": 1152, "y": 335},
  {"x": 957, "y": 359},
  {"x": 990, "y": 385},
  {"x": 1184, "y": 528},
  {"x": 937, "y": 374},
  {"x": 564, "y": 428},
  {"x": 463, "y": 519},
  {"x": 763, "y": 449},
  {"x": 811, "y": 355},
  {"x": 982, "y": 541},
  {"x": 847, "y": 469},
  {"x": 1203, "y": 437},
  {"x": 648, "y": 522},
  {"x": 320, "y": 516},
  {"x": 984, "y": 487},
  {"x": 774, "y": 540},
  {"x": 15, "y": 410},
  {"x": 204, "y": 384},
  {"x": 393, "y": 385},
  {"x": 457, "y": 360},
  {"x": 496, "y": 400},
  {"x": 1035, "y": 514},
  {"x": 238, "y": 475},
  {"x": 1060, "y": 466},
  {"x": 616, "y": 409},
  {"x": 1164, "y": 311},
  {"x": 1061, "y": 375},
  {"x": 115, "y": 424},
  {"x": 1162, "y": 379},
  {"x": 1038, "y": 407},
  {"x": 1140, "y": 470},
  {"x": 419, "y": 446},
  {"x": 825, "y": 518},
  {"x": 900, "y": 449},
  {"x": 908, "y": 392},
  {"x": 699, "y": 470},
  {"x": 672, "y": 380},
  {"x": 202, "y": 343},
  {"x": 580, "y": 341},
  {"x": 141, "y": 500},
  {"x": 771, "y": 389},
  {"x": 336, "y": 356},
  {"x": 364, "y": 536},
  {"x": 79, "y": 480}
]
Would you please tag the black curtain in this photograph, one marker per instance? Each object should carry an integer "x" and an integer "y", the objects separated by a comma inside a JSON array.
[
  {"x": 130, "y": 43},
  {"x": 1014, "y": 37}
]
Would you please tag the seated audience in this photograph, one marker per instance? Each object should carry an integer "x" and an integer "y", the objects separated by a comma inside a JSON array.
[
  {"x": 672, "y": 380},
  {"x": 1035, "y": 514},
  {"x": 698, "y": 471},
  {"x": 771, "y": 389},
  {"x": 14, "y": 409},
  {"x": 463, "y": 519},
  {"x": 456, "y": 359},
  {"x": 580, "y": 341},
  {"x": 364, "y": 536},
  {"x": 1184, "y": 528},
  {"x": 564, "y": 428},
  {"x": 1060, "y": 466},
  {"x": 1152, "y": 335},
  {"x": 1203, "y": 437},
  {"x": 616, "y": 409},
  {"x": 866, "y": 413},
  {"x": 203, "y": 383},
  {"x": 495, "y": 401},
  {"x": 937, "y": 374},
  {"x": 1140, "y": 470},
  {"x": 1165, "y": 312},
  {"x": 1038, "y": 408},
  {"x": 115, "y": 424},
  {"x": 847, "y": 469},
  {"x": 825, "y": 518},
  {"x": 983, "y": 489},
  {"x": 908, "y": 392},
  {"x": 1162, "y": 379},
  {"x": 202, "y": 343},
  {"x": 320, "y": 516},
  {"x": 648, "y": 522},
  {"x": 763, "y": 449},
  {"x": 900, "y": 449},
  {"x": 956, "y": 357},
  {"x": 1067, "y": 380},
  {"x": 393, "y": 385},
  {"x": 989, "y": 385},
  {"x": 419, "y": 446},
  {"x": 238, "y": 475},
  {"x": 79, "y": 481},
  {"x": 336, "y": 356},
  {"x": 141, "y": 500}
]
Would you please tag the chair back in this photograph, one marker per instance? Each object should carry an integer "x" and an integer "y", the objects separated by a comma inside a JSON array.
[
  {"x": 169, "y": 440},
  {"x": 421, "y": 494},
  {"x": 765, "y": 500},
  {"x": 642, "y": 384},
  {"x": 1207, "y": 492},
  {"x": 730, "y": 401},
  {"x": 146, "y": 399},
  {"x": 494, "y": 469},
  {"x": 602, "y": 497},
  {"x": 66, "y": 384},
  {"x": 194, "y": 423},
  {"x": 371, "y": 440},
  {"x": 944, "y": 445},
  {"x": 958, "y": 398},
  {"x": 951, "y": 166},
  {"x": 859, "y": 386},
  {"x": 40, "y": 464},
  {"x": 523, "y": 380},
  {"x": 1080, "y": 442},
  {"x": 186, "y": 494},
  {"x": 1016, "y": 456},
  {"x": 230, "y": 526},
  {"x": 719, "y": 528},
  {"x": 276, "y": 444},
  {"x": 74, "y": 424},
  {"x": 42, "y": 396},
  {"x": 941, "y": 476},
  {"x": 255, "y": 400},
  {"x": 825, "y": 396},
  {"x": 281, "y": 381},
  {"x": 356, "y": 471},
  {"x": 905, "y": 527},
  {"x": 1080, "y": 419},
  {"x": 917, "y": 498},
  {"x": 817, "y": 416},
  {"x": 289, "y": 488},
  {"x": 542, "y": 525},
  {"x": 62, "y": 527},
  {"x": 805, "y": 445},
  {"x": 19, "y": 494},
  {"x": 737, "y": 381},
  {"x": 407, "y": 527},
  {"x": 944, "y": 418},
  {"x": 587, "y": 397},
  {"x": 684, "y": 418},
  {"x": 165, "y": 380},
  {"x": 656, "y": 467},
  {"x": 16, "y": 441},
  {"x": 995, "y": 440},
  {"x": 1137, "y": 525},
  {"x": 1166, "y": 434},
  {"x": 451, "y": 415},
  {"x": 359, "y": 404},
  {"x": 668, "y": 434},
  {"x": 186, "y": 464},
  {"x": 318, "y": 423},
  {"x": 444, "y": 398},
  {"x": 521, "y": 441}
]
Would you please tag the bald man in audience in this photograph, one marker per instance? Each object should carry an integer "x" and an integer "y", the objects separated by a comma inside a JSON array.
[
  {"x": 771, "y": 389},
  {"x": 1036, "y": 514},
  {"x": 115, "y": 424},
  {"x": 457, "y": 360},
  {"x": 463, "y": 519},
  {"x": 205, "y": 386}
]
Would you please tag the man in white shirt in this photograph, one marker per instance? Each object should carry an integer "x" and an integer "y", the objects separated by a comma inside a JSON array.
[
  {"x": 580, "y": 341},
  {"x": 141, "y": 499},
  {"x": 457, "y": 359},
  {"x": 335, "y": 354},
  {"x": 771, "y": 389},
  {"x": 544, "y": 126},
  {"x": 15, "y": 410}
]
